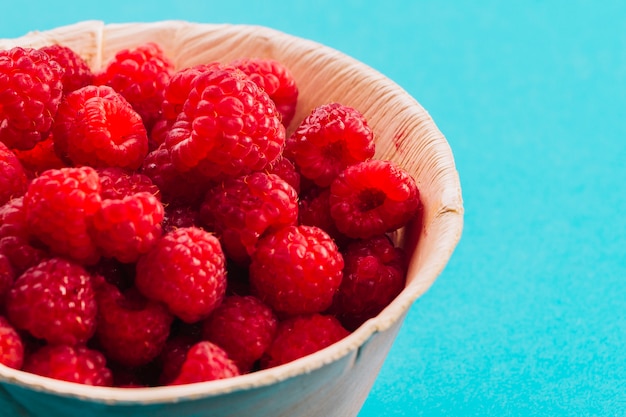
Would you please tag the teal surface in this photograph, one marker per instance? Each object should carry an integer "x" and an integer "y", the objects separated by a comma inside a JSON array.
[{"x": 529, "y": 317}]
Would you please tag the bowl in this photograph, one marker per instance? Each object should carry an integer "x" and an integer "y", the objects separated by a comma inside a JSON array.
[{"x": 334, "y": 381}]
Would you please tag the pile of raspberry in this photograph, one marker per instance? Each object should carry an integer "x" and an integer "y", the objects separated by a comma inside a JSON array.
[{"x": 158, "y": 226}]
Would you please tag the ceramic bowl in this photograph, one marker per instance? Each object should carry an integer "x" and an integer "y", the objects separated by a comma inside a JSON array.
[{"x": 334, "y": 381}]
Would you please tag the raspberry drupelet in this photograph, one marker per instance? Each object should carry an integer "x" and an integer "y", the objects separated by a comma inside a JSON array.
[
  {"x": 186, "y": 271},
  {"x": 30, "y": 93},
  {"x": 296, "y": 270}
]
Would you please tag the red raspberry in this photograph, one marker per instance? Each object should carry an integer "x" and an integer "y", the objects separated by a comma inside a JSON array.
[
  {"x": 54, "y": 301},
  {"x": 127, "y": 228},
  {"x": 228, "y": 126},
  {"x": 186, "y": 271},
  {"x": 7, "y": 276},
  {"x": 181, "y": 188},
  {"x": 372, "y": 198},
  {"x": 314, "y": 210},
  {"x": 59, "y": 205},
  {"x": 131, "y": 329},
  {"x": 330, "y": 139},
  {"x": 277, "y": 81},
  {"x": 30, "y": 92},
  {"x": 173, "y": 356},
  {"x": 139, "y": 74},
  {"x": 15, "y": 241},
  {"x": 205, "y": 362},
  {"x": 40, "y": 158},
  {"x": 73, "y": 364},
  {"x": 285, "y": 169},
  {"x": 180, "y": 216},
  {"x": 76, "y": 71},
  {"x": 13, "y": 181},
  {"x": 117, "y": 183},
  {"x": 374, "y": 274},
  {"x": 11, "y": 346},
  {"x": 242, "y": 209},
  {"x": 296, "y": 270},
  {"x": 300, "y": 336},
  {"x": 96, "y": 126},
  {"x": 244, "y": 327}
]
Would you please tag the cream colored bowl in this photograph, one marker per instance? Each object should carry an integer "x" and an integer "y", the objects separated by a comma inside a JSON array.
[{"x": 336, "y": 380}]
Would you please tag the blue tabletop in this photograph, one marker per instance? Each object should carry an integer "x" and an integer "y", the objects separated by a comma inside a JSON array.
[{"x": 529, "y": 317}]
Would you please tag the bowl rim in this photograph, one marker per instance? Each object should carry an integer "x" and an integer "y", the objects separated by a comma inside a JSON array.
[{"x": 450, "y": 211}]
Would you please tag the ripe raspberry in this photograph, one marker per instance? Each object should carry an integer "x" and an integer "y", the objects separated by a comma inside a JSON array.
[
  {"x": 296, "y": 270},
  {"x": 374, "y": 274},
  {"x": 127, "y": 228},
  {"x": 30, "y": 92},
  {"x": 76, "y": 71},
  {"x": 131, "y": 329},
  {"x": 186, "y": 271},
  {"x": 40, "y": 158},
  {"x": 180, "y": 216},
  {"x": 117, "y": 183},
  {"x": 11, "y": 346},
  {"x": 59, "y": 205},
  {"x": 173, "y": 356},
  {"x": 372, "y": 198},
  {"x": 13, "y": 179},
  {"x": 242, "y": 209},
  {"x": 73, "y": 364},
  {"x": 244, "y": 327},
  {"x": 314, "y": 210},
  {"x": 54, "y": 301},
  {"x": 330, "y": 139},
  {"x": 139, "y": 74},
  {"x": 277, "y": 81},
  {"x": 300, "y": 336},
  {"x": 228, "y": 127},
  {"x": 181, "y": 188},
  {"x": 96, "y": 126},
  {"x": 15, "y": 241},
  {"x": 7, "y": 276},
  {"x": 285, "y": 169},
  {"x": 205, "y": 362}
]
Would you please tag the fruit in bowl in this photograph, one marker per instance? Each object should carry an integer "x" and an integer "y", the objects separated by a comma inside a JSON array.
[{"x": 211, "y": 220}]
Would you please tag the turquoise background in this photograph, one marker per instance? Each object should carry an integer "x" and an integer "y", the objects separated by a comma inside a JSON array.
[{"x": 529, "y": 317}]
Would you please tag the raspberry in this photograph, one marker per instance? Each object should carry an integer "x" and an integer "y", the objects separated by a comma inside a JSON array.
[
  {"x": 127, "y": 228},
  {"x": 30, "y": 92},
  {"x": 131, "y": 329},
  {"x": 173, "y": 356},
  {"x": 11, "y": 346},
  {"x": 285, "y": 169},
  {"x": 181, "y": 188},
  {"x": 13, "y": 179},
  {"x": 73, "y": 364},
  {"x": 96, "y": 126},
  {"x": 244, "y": 327},
  {"x": 55, "y": 301},
  {"x": 277, "y": 81},
  {"x": 300, "y": 336},
  {"x": 121, "y": 275},
  {"x": 228, "y": 127},
  {"x": 117, "y": 183},
  {"x": 59, "y": 205},
  {"x": 372, "y": 198},
  {"x": 40, "y": 158},
  {"x": 140, "y": 75},
  {"x": 374, "y": 274},
  {"x": 327, "y": 141},
  {"x": 76, "y": 71},
  {"x": 180, "y": 216},
  {"x": 296, "y": 270},
  {"x": 242, "y": 209},
  {"x": 7, "y": 276},
  {"x": 15, "y": 241},
  {"x": 205, "y": 362},
  {"x": 314, "y": 210},
  {"x": 186, "y": 271}
]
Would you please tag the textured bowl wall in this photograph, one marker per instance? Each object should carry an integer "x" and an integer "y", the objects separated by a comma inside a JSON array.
[{"x": 336, "y": 380}]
